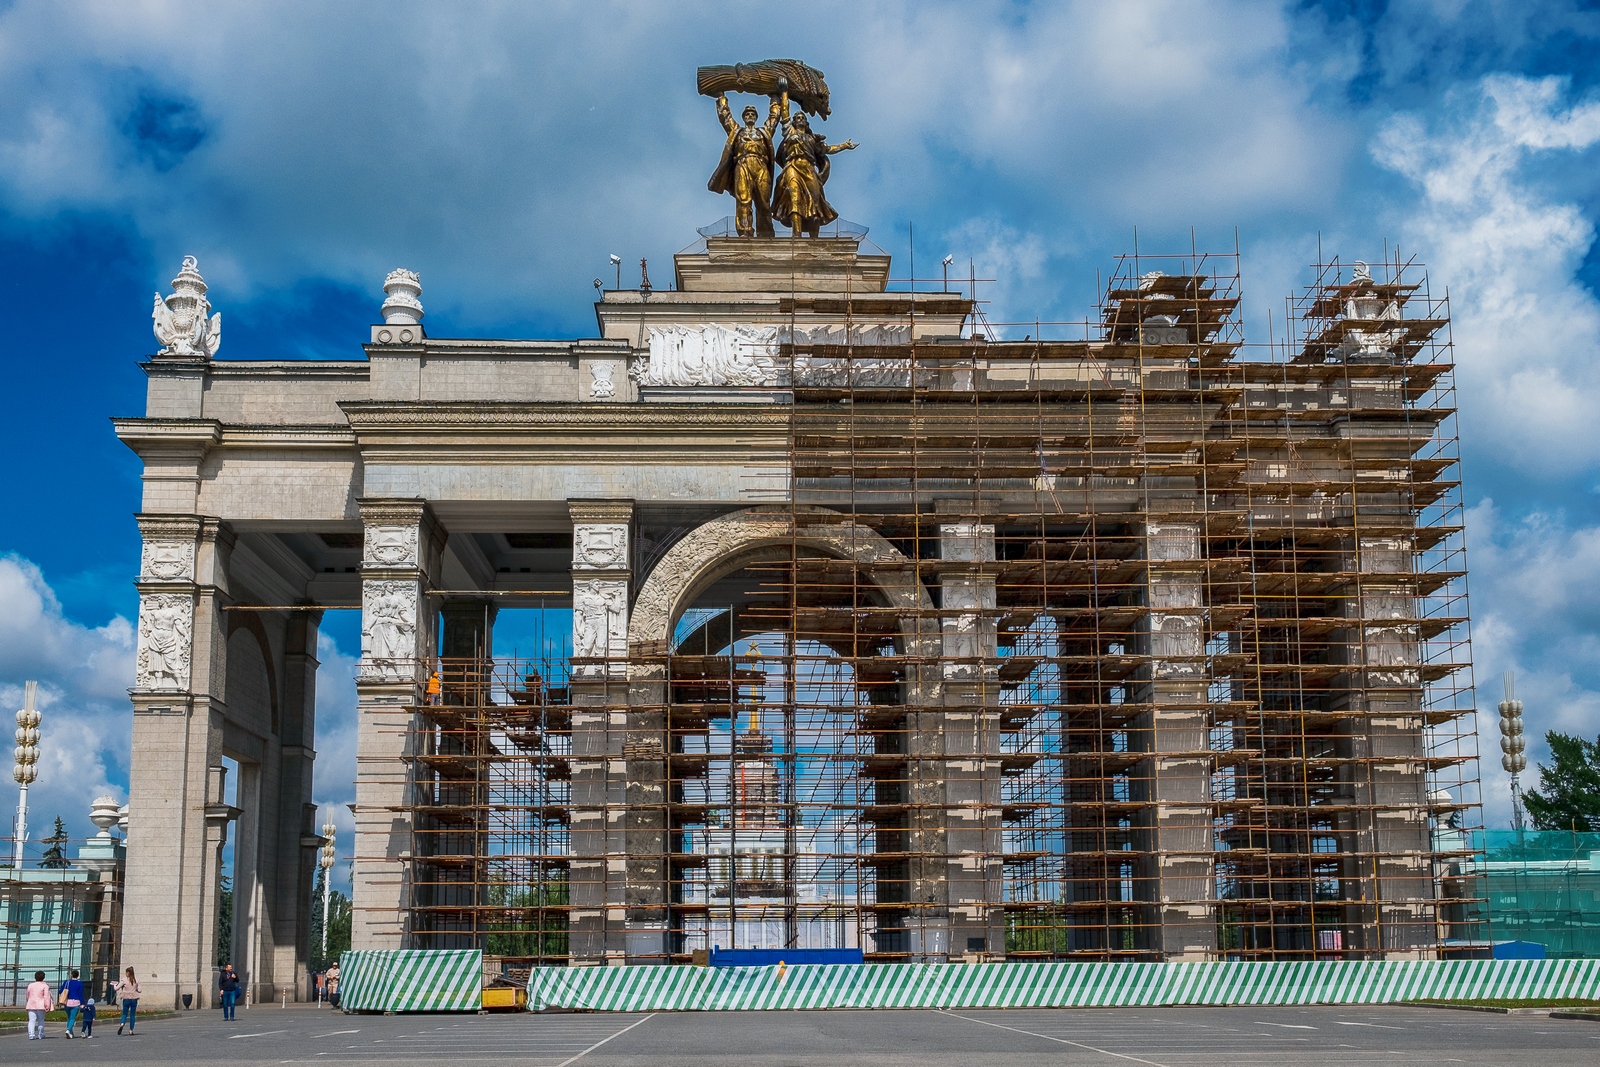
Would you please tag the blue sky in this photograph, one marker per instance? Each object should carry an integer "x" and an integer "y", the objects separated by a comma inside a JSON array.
[{"x": 301, "y": 150}]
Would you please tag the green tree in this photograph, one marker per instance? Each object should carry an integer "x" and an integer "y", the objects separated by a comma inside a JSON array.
[
  {"x": 1568, "y": 797},
  {"x": 54, "y": 856},
  {"x": 532, "y": 920},
  {"x": 338, "y": 924},
  {"x": 225, "y": 923}
]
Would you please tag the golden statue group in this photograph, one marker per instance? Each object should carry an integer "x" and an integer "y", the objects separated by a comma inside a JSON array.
[{"x": 796, "y": 199}]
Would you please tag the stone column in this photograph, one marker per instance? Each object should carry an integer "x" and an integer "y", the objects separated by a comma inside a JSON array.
[
  {"x": 970, "y": 743},
  {"x": 465, "y": 648},
  {"x": 618, "y": 875},
  {"x": 297, "y": 810},
  {"x": 1390, "y": 790},
  {"x": 179, "y": 822},
  {"x": 402, "y": 547},
  {"x": 1179, "y": 874}
]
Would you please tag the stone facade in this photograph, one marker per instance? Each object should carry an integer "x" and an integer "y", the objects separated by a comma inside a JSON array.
[{"x": 666, "y": 453}]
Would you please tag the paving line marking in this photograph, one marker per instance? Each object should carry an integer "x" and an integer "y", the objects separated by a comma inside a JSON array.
[
  {"x": 264, "y": 1033},
  {"x": 1286, "y": 1026},
  {"x": 603, "y": 1040},
  {"x": 1047, "y": 1037},
  {"x": 1380, "y": 1026},
  {"x": 336, "y": 1033}
]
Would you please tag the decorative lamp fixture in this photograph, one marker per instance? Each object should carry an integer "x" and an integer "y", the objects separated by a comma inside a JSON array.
[
  {"x": 26, "y": 769},
  {"x": 1513, "y": 746},
  {"x": 326, "y": 860}
]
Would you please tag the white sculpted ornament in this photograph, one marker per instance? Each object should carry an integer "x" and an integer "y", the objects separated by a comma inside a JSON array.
[
  {"x": 167, "y": 561},
  {"x": 389, "y": 631},
  {"x": 604, "y": 387},
  {"x": 711, "y": 356},
  {"x": 181, "y": 323},
  {"x": 600, "y": 546},
  {"x": 599, "y": 619},
  {"x": 391, "y": 546},
  {"x": 166, "y": 621}
]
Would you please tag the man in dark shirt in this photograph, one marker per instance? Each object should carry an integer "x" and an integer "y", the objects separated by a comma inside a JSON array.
[{"x": 229, "y": 984}]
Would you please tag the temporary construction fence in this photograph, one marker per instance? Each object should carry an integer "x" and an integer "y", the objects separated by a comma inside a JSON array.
[
  {"x": 1055, "y": 985},
  {"x": 411, "y": 980}
]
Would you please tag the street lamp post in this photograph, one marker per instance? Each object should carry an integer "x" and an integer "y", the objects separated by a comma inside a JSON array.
[
  {"x": 326, "y": 861},
  {"x": 27, "y": 765}
]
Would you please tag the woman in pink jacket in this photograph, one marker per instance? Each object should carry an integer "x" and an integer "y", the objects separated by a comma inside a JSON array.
[{"x": 39, "y": 1002}]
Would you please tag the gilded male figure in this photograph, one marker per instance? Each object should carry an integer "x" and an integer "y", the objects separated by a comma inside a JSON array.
[
  {"x": 746, "y": 166},
  {"x": 797, "y": 198}
]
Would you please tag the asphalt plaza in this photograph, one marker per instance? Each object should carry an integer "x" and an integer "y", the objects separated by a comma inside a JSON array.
[{"x": 1156, "y": 1037}]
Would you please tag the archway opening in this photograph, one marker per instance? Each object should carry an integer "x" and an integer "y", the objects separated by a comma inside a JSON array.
[{"x": 785, "y": 676}]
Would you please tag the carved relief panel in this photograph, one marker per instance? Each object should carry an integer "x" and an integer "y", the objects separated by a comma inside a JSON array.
[
  {"x": 389, "y": 631},
  {"x": 165, "y": 647},
  {"x": 390, "y": 546},
  {"x": 971, "y": 633},
  {"x": 167, "y": 561},
  {"x": 599, "y": 623},
  {"x": 600, "y": 547}
]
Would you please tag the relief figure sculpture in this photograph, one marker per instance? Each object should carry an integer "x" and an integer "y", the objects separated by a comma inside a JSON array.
[
  {"x": 598, "y": 611},
  {"x": 165, "y": 621},
  {"x": 390, "y": 629}
]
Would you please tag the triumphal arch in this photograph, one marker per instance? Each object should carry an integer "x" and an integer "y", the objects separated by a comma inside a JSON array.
[{"x": 858, "y": 620}]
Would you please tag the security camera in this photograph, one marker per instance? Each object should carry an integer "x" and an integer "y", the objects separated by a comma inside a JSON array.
[
  {"x": 948, "y": 260},
  {"x": 615, "y": 260}
]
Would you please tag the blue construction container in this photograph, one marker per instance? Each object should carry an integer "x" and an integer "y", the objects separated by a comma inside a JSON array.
[{"x": 1518, "y": 950}]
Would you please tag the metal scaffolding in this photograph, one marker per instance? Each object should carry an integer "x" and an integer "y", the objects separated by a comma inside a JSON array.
[{"x": 1136, "y": 641}]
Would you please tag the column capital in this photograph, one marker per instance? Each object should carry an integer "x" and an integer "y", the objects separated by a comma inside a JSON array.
[
  {"x": 159, "y": 527},
  {"x": 394, "y": 511},
  {"x": 399, "y": 535},
  {"x": 600, "y": 510}
]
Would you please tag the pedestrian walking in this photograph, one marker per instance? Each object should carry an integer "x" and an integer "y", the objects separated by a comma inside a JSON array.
[
  {"x": 88, "y": 1017},
  {"x": 128, "y": 992},
  {"x": 71, "y": 994},
  {"x": 332, "y": 982},
  {"x": 229, "y": 984},
  {"x": 39, "y": 1002}
]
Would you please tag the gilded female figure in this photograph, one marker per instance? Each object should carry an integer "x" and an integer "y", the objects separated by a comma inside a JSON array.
[{"x": 798, "y": 199}]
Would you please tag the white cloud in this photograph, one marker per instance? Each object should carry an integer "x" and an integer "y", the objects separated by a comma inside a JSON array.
[
  {"x": 1527, "y": 331},
  {"x": 83, "y": 676},
  {"x": 86, "y": 733},
  {"x": 1536, "y": 612},
  {"x": 1527, "y": 336},
  {"x": 503, "y": 154}
]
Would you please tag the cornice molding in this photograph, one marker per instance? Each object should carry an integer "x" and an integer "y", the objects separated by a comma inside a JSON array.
[
  {"x": 181, "y": 433},
  {"x": 156, "y": 527},
  {"x": 393, "y": 511},
  {"x": 382, "y": 415},
  {"x": 607, "y": 511}
]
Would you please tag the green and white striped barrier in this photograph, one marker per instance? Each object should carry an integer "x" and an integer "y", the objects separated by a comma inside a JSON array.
[
  {"x": 411, "y": 980},
  {"x": 1053, "y": 985}
]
